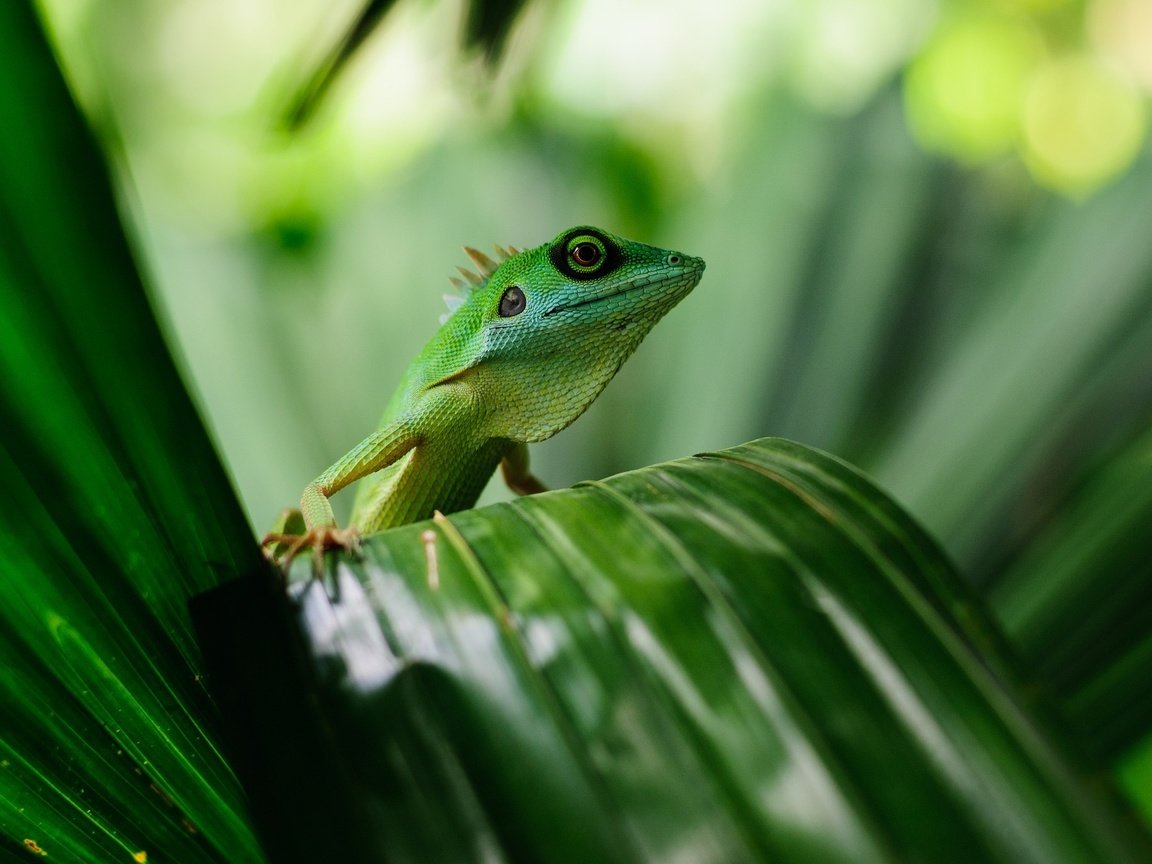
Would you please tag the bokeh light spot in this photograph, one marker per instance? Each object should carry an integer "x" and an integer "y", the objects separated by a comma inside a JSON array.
[
  {"x": 1122, "y": 31},
  {"x": 843, "y": 49},
  {"x": 964, "y": 91},
  {"x": 1083, "y": 124}
]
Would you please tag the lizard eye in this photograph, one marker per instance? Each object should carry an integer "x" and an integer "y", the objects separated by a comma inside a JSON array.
[
  {"x": 512, "y": 302},
  {"x": 585, "y": 254}
]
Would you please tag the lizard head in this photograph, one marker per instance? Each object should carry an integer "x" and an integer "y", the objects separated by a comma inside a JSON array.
[{"x": 551, "y": 325}]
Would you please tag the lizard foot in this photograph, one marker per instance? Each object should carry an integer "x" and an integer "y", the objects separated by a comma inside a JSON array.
[{"x": 320, "y": 539}]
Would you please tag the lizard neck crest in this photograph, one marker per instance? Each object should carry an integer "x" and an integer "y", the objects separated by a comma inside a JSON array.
[{"x": 473, "y": 280}]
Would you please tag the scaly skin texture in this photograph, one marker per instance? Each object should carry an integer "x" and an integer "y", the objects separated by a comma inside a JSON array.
[{"x": 525, "y": 354}]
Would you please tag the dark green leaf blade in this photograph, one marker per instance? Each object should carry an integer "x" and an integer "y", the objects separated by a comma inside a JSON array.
[
  {"x": 1077, "y": 602},
  {"x": 115, "y": 511},
  {"x": 749, "y": 656},
  {"x": 305, "y": 103},
  {"x": 486, "y": 26}
]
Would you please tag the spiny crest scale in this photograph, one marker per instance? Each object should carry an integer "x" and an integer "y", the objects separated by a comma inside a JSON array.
[
  {"x": 475, "y": 279},
  {"x": 483, "y": 263},
  {"x": 485, "y": 267},
  {"x": 472, "y": 279}
]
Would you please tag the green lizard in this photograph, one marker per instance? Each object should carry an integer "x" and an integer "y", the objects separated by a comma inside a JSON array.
[{"x": 537, "y": 338}]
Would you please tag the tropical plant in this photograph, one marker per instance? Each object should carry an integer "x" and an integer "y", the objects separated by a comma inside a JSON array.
[{"x": 751, "y": 654}]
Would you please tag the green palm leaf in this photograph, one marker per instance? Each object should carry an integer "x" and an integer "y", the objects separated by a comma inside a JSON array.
[
  {"x": 486, "y": 25},
  {"x": 750, "y": 655},
  {"x": 115, "y": 511},
  {"x": 1076, "y": 604}
]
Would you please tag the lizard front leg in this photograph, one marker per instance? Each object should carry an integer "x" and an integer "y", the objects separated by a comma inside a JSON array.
[{"x": 378, "y": 450}]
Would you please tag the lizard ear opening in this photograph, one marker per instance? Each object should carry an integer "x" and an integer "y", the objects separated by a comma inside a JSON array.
[{"x": 512, "y": 302}]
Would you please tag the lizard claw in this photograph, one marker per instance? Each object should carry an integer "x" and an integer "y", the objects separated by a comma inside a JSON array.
[{"x": 320, "y": 539}]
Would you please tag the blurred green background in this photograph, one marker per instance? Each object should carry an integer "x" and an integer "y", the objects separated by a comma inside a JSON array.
[{"x": 926, "y": 225}]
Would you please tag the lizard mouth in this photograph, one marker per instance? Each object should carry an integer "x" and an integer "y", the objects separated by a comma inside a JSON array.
[
  {"x": 689, "y": 276},
  {"x": 556, "y": 310}
]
